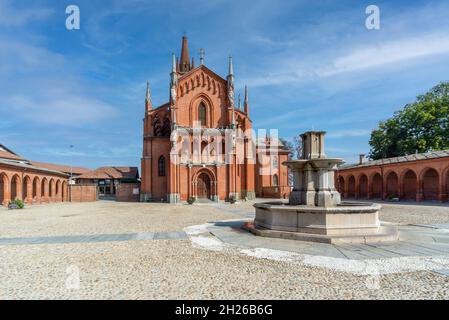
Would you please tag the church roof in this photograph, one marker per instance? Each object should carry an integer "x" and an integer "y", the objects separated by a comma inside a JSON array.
[
  {"x": 407, "y": 158},
  {"x": 166, "y": 105}
]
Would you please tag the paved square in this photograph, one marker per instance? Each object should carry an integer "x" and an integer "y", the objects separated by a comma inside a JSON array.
[{"x": 109, "y": 250}]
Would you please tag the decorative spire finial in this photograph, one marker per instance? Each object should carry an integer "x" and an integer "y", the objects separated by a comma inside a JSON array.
[
  {"x": 148, "y": 97},
  {"x": 173, "y": 84},
  {"x": 231, "y": 67},
  {"x": 185, "y": 60},
  {"x": 240, "y": 103},
  {"x": 233, "y": 118},
  {"x": 230, "y": 80},
  {"x": 246, "y": 102},
  {"x": 202, "y": 55},
  {"x": 173, "y": 68}
]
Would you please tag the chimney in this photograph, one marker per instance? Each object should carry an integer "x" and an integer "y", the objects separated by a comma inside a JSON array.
[{"x": 362, "y": 159}]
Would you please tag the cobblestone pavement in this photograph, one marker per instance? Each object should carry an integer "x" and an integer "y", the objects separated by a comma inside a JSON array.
[{"x": 196, "y": 268}]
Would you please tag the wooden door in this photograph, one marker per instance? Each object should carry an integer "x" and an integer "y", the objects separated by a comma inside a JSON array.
[{"x": 203, "y": 186}]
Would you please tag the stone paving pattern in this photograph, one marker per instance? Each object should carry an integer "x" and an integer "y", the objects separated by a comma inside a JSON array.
[{"x": 147, "y": 268}]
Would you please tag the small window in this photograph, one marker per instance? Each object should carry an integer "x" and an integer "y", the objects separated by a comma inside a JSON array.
[
  {"x": 161, "y": 166},
  {"x": 202, "y": 114},
  {"x": 275, "y": 180},
  {"x": 275, "y": 162}
]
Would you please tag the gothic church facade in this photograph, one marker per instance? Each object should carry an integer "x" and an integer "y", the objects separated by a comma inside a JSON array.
[{"x": 200, "y": 144}]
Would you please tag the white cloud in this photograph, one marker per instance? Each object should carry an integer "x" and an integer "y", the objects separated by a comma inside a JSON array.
[
  {"x": 348, "y": 133},
  {"x": 395, "y": 51},
  {"x": 12, "y": 17},
  {"x": 44, "y": 87},
  {"x": 385, "y": 54},
  {"x": 63, "y": 109}
]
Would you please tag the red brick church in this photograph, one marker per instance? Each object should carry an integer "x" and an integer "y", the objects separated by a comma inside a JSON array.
[{"x": 201, "y": 144}]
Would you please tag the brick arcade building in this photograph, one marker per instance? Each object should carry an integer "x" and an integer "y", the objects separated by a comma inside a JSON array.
[
  {"x": 200, "y": 144},
  {"x": 33, "y": 182},
  {"x": 415, "y": 177}
]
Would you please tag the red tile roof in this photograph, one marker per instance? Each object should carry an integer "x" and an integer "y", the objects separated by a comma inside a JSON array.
[
  {"x": 62, "y": 168},
  {"x": 111, "y": 173},
  {"x": 407, "y": 158},
  {"x": 5, "y": 153}
]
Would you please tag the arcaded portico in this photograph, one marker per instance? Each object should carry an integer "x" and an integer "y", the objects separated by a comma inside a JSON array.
[
  {"x": 415, "y": 177},
  {"x": 20, "y": 179}
]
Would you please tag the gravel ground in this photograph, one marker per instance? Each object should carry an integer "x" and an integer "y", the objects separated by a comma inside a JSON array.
[
  {"x": 407, "y": 213},
  {"x": 104, "y": 217},
  {"x": 175, "y": 269}
]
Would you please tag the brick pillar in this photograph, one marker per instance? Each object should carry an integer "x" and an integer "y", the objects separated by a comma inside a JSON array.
[
  {"x": 444, "y": 187},
  {"x": 29, "y": 188},
  {"x": 189, "y": 181},
  {"x": 46, "y": 192},
  {"x": 384, "y": 187},
  {"x": 249, "y": 161},
  {"x": 65, "y": 191},
  {"x": 6, "y": 192},
  {"x": 346, "y": 188},
  {"x": 194, "y": 188},
  {"x": 19, "y": 190},
  {"x": 37, "y": 199},
  {"x": 419, "y": 187},
  {"x": 441, "y": 193},
  {"x": 370, "y": 187}
]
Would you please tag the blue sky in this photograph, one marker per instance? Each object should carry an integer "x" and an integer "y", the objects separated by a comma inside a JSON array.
[{"x": 308, "y": 64}]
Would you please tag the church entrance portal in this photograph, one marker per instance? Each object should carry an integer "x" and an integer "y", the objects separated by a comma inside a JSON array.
[{"x": 203, "y": 186}]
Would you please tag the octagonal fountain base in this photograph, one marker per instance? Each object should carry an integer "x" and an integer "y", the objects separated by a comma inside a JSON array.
[{"x": 349, "y": 222}]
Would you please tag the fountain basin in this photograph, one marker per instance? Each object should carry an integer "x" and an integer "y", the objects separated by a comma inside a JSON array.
[{"x": 349, "y": 222}]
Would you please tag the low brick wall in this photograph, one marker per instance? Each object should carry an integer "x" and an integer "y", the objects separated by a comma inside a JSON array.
[
  {"x": 83, "y": 193},
  {"x": 128, "y": 192}
]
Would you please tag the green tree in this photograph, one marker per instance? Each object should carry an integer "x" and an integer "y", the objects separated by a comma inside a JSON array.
[
  {"x": 288, "y": 146},
  {"x": 421, "y": 126}
]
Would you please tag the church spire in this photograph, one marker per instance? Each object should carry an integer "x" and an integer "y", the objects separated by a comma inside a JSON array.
[
  {"x": 231, "y": 96},
  {"x": 173, "y": 90},
  {"x": 202, "y": 55},
  {"x": 184, "y": 64},
  {"x": 231, "y": 67},
  {"x": 173, "y": 65},
  {"x": 246, "y": 102},
  {"x": 148, "y": 104}
]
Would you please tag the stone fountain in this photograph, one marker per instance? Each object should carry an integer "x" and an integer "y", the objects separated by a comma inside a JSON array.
[{"x": 315, "y": 211}]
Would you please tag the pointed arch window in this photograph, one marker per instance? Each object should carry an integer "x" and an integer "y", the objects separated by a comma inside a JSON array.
[
  {"x": 161, "y": 166},
  {"x": 275, "y": 180},
  {"x": 275, "y": 162},
  {"x": 202, "y": 114}
]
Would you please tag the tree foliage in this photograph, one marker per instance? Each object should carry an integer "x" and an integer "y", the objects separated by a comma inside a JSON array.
[
  {"x": 420, "y": 127},
  {"x": 288, "y": 146}
]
